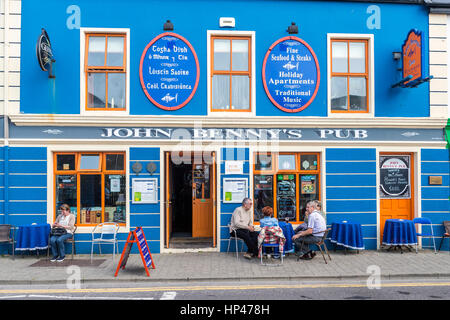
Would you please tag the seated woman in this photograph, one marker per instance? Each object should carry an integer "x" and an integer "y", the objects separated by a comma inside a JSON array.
[
  {"x": 65, "y": 220},
  {"x": 268, "y": 221}
]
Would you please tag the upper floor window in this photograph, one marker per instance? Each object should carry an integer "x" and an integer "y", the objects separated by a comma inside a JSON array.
[
  {"x": 349, "y": 79},
  {"x": 105, "y": 67},
  {"x": 231, "y": 73}
]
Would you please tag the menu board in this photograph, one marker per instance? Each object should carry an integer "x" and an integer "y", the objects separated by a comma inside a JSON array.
[
  {"x": 234, "y": 190},
  {"x": 291, "y": 74},
  {"x": 286, "y": 199},
  {"x": 394, "y": 177},
  {"x": 169, "y": 71},
  {"x": 145, "y": 190}
]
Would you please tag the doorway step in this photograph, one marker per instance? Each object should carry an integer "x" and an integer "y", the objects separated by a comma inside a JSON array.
[{"x": 190, "y": 243}]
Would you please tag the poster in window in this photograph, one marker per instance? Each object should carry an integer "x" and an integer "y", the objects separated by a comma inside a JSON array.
[
  {"x": 308, "y": 184},
  {"x": 394, "y": 177}
]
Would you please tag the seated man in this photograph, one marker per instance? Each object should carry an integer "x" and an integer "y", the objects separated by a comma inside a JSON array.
[
  {"x": 313, "y": 234},
  {"x": 268, "y": 221},
  {"x": 242, "y": 223}
]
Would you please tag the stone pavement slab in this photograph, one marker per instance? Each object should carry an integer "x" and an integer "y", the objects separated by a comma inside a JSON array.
[{"x": 211, "y": 266}]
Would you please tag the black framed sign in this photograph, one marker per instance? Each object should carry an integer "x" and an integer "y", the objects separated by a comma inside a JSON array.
[{"x": 394, "y": 177}]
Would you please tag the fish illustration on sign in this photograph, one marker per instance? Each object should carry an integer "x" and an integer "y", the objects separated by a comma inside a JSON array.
[
  {"x": 52, "y": 131},
  {"x": 168, "y": 98},
  {"x": 289, "y": 66},
  {"x": 410, "y": 134}
]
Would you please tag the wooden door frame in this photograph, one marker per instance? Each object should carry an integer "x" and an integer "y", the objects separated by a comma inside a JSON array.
[{"x": 412, "y": 176}]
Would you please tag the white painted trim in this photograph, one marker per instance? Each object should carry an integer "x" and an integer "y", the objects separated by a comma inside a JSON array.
[
  {"x": 225, "y": 114},
  {"x": 113, "y": 114},
  {"x": 371, "y": 43}
]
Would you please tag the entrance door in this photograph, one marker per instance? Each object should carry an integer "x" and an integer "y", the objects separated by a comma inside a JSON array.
[
  {"x": 396, "y": 188},
  {"x": 202, "y": 201}
]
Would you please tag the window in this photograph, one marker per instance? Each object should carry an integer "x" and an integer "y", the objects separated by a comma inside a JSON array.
[
  {"x": 92, "y": 184},
  {"x": 231, "y": 73},
  {"x": 286, "y": 185},
  {"x": 105, "y": 67},
  {"x": 349, "y": 79}
]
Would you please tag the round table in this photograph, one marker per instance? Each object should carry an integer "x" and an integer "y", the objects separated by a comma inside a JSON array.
[
  {"x": 399, "y": 232},
  {"x": 32, "y": 237},
  {"x": 347, "y": 234}
]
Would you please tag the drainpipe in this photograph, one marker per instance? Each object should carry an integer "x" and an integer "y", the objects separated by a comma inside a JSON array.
[{"x": 5, "y": 113}]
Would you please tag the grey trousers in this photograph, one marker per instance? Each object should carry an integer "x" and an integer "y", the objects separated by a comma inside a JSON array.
[{"x": 302, "y": 244}]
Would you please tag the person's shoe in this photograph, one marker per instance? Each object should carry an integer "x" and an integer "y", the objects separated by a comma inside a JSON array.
[
  {"x": 312, "y": 254},
  {"x": 54, "y": 259},
  {"x": 306, "y": 256},
  {"x": 248, "y": 256},
  {"x": 60, "y": 259}
]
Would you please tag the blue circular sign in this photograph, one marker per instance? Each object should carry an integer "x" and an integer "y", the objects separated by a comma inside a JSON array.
[
  {"x": 169, "y": 71},
  {"x": 291, "y": 74}
]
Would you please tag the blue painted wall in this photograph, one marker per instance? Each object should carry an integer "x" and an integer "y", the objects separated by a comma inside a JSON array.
[{"x": 269, "y": 20}]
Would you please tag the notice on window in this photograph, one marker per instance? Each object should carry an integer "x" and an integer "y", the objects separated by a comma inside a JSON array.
[
  {"x": 145, "y": 190},
  {"x": 234, "y": 190}
]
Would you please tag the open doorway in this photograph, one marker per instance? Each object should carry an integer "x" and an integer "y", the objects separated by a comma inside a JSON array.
[{"x": 190, "y": 203}]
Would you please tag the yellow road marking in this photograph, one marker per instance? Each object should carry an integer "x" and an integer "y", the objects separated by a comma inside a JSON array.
[{"x": 211, "y": 288}]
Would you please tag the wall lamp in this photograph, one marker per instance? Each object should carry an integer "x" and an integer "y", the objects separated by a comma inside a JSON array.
[
  {"x": 292, "y": 28},
  {"x": 396, "y": 55},
  {"x": 168, "y": 26}
]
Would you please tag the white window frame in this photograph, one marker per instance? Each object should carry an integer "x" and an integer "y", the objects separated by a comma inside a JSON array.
[
  {"x": 371, "y": 84},
  {"x": 227, "y": 114},
  {"x": 83, "y": 111}
]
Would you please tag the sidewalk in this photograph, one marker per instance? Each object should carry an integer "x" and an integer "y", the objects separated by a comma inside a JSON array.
[{"x": 207, "y": 266}]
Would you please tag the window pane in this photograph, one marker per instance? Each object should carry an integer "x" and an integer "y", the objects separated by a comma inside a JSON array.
[
  {"x": 96, "y": 53},
  {"x": 221, "y": 92},
  {"x": 286, "y": 197},
  {"x": 358, "y": 57},
  {"x": 114, "y": 162},
  {"x": 339, "y": 93},
  {"x": 263, "y": 194},
  {"x": 308, "y": 162},
  {"x": 115, "y": 198},
  {"x": 358, "y": 93},
  {"x": 240, "y": 55},
  {"x": 116, "y": 90},
  {"x": 65, "y": 162},
  {"x": 221, "y": 54},
  {"x": 66, "y": 192},
  {"x": 340, "y": 58},
  {"x": 96, "y": 90},
  {"x": 286, "y": 162},
  {"x": 241, "y": 92},
  {"x": 91, "y": 198},
  {"x": 263, "y": 162},
  {"x": 89, "y": 161},
  {"x": 114, "y": 55}
]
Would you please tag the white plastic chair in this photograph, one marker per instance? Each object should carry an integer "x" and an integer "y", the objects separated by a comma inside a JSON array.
[
  {"x": 236, "y": 239},
  {"x": 108, "y": 235}
]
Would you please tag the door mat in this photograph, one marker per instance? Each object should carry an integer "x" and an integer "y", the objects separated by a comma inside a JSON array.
[{"x": 69, "y": 262}]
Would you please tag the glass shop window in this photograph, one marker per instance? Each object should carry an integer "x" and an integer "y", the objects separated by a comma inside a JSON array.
[
  {"x": 349, "y": 75},
  {"x": 105, "y": 68},
  {"x": 230, "y": 73},
  {"x": 286, "y": 185},
  {"x": 94, "y": 187}
]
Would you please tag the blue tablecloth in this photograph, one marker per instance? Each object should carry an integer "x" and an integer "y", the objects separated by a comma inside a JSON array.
[
  {"x": 32, "y": 237},
  {"x": 399, "y": 232},
  {"x": 347, "y": 234},
  {"x": 288, "y": 232}
]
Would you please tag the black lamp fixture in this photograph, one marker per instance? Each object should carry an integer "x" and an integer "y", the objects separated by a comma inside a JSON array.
[
  {"x": 293, "y": 28},
  {"x": 396, "y": 55},
  {"x": 168, "y": 26}
]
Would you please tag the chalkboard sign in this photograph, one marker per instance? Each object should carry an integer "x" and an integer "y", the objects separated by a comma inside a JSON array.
[
  {"x": 169, "y": 71},
  {"x": 136, "y": 236},
  {"x": 286, "y": 197},
  {"x": 394, "y": 177}
]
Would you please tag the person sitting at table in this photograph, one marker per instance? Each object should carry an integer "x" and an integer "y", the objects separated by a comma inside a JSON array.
[
  {"x": 315, "y": 230},
  {"x": 65, "y": 220},
  {"x": 268, "y": 221}
]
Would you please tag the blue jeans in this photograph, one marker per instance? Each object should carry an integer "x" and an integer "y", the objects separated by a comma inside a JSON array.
[{"x": 57, "y": 245}]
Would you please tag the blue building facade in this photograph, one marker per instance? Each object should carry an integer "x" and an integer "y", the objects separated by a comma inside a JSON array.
[{"x": 165, "y": 114}]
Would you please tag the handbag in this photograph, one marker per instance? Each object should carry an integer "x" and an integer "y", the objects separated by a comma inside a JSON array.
[{"x": 58, "y": 231}]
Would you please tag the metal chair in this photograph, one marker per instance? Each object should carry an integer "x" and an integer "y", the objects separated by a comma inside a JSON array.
[
  {"x": 236, "y": 239},
  {"x": 322, "y": 243},
  {"x": 70, "y": 240},
  {"x": 446, "y": 233},
  {"x": 5, "y": 236},
  {"x": 425, "y": 221},
  {"x": 108, "y": 235},
  {"x": 274, "y": 246}
]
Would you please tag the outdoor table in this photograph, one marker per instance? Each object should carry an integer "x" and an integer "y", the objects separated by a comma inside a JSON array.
[
  {"x": 32, "y": 237},
  {"x": 347, "y": 234},
  {"x": 398, "y": 233}
]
